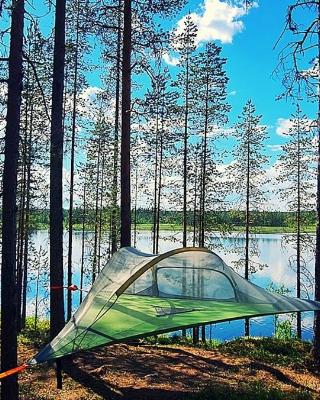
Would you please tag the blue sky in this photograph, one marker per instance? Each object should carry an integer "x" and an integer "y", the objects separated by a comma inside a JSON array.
[{"x": 251, "y": 59}]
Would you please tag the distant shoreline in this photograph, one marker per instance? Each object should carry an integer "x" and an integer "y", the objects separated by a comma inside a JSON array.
[{"x": 177, "y": 228}]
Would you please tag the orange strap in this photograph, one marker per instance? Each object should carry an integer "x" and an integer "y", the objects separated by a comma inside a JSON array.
[
  {"x": 12, "y": 371},
  {"x": 71, "y": 288}
]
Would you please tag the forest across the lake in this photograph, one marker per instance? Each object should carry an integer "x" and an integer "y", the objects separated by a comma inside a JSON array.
[{"x": 233, "y": 220}]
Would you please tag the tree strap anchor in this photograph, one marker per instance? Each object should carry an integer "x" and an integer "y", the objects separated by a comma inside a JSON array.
[{"x": 13, "y": 371}]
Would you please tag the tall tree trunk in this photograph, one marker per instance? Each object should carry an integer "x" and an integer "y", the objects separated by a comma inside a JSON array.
[
  {"x": 204, "y": 169},
  {"x": 9, "y": 386},
  {"x": 185, "y": 156},
  {"x": 299, "y": 332},
  {"x": 247, "y": 233},
  {"x": 114, "y": 203},
  {"x": 71, "y": 189},
  {"x": 195, "y": 204},
  {"x": 83, "y": 239},
  {"x": 27, "y": 227},
  {"x": 126, "y": 127},
  {"x": 96, "y": 213},
  {"x": 185, "y": 176},
  {"x": 101, "y": 213},
  {"x": 155, "y": 183},
  {"x": 56, "y": 168},
  {"x": 316, "y": 340},
  {"x": 135, "y": 210},
  {"x": 21, "y": 222},
  {"x": 159, "y": 193}
]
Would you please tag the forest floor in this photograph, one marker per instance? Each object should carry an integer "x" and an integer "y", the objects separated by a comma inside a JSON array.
[{"x": 249, "y": 369}]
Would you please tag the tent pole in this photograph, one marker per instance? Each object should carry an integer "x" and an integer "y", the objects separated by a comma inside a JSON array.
[{"x": 59, "y": 373}]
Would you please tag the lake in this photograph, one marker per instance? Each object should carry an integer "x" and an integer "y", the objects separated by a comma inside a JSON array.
[{"x": 274, "y": 252}]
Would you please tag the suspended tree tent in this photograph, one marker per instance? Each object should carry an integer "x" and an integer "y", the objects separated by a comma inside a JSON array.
[{"x": 139, "y": 294}]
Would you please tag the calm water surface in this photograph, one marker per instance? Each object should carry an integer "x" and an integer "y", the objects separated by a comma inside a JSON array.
[{"x": 273, "y": 252}]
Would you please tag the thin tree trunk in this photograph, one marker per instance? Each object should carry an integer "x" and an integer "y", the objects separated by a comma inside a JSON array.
[
  {"x": 159, "y": 193},
  {"x": 195, "y": 204},
  {"x": 298, "y": 236},
  {"x": 204, "y": 168},
  {"x": 185, "y": 176},
  {"x": 83, "y": 239},
  {"x": 247, "y": 233},
  {"x": 21, "y": 229},
  {"x": 37, "y": 292},
  {"x": 316, "y": 340},
  {"x": 27, "y": 227},
  {"x": 100, "y": 213},
  {"x": 56, "y": 168},
  {"x": 155, "y": 194},
  {"x": 95, "y": 246},
  {"x": 126, "y": 128},
  {"x": 71, "y": 189},
  {"x": 9, "y": 386},
  {"x": 135, "y": 211},
  {"x": 114, "y": 204},
  {"x": 185, "y": 156}
]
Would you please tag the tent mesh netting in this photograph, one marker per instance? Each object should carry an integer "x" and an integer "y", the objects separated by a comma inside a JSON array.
[{"x": 138, "y": 294}]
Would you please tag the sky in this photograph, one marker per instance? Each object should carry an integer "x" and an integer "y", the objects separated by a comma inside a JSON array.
[
  {"x": 247, "y": 38},
  {"x": 248, "y": 42}
]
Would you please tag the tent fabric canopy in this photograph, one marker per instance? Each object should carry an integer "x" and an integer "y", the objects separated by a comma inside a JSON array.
[{"x": 138, "y": 294}]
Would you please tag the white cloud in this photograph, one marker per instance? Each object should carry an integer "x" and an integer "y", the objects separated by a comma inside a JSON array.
[
  {"x": 284, "y": 124},
  {"x": 275, "y": 147},
  {"x": 170, "y": 60},
  {"x": 218, "y": 20},
  {"x": 233, "y": 93}
]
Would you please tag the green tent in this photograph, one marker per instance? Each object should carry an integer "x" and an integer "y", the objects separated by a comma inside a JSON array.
[{"x": 138, "y": 294}]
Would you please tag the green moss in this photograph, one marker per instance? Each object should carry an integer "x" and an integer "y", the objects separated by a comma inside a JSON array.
[{"x": 286, "y": 352}]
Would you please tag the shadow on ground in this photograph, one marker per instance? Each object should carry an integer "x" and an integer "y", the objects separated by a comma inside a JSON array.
[{"x": 153, "y": 373}]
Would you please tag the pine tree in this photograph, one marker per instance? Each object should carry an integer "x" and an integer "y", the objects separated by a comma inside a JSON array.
[
  {"x": 296, "y": 172},
  {"x": 184, "y": 43},
  {"x": 209, "y": 93},
  {"x": 248, "y": 178}
]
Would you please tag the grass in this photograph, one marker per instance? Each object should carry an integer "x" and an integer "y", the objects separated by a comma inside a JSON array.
[
  {"x": 291, "y": 353},
  {"x": 255, "y": 390}
]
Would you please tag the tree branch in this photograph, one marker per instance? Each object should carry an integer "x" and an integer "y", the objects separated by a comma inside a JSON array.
[{"x": 39, "y": 84}]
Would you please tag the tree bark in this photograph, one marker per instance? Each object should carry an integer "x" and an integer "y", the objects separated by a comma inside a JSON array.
[
  {"x": 125, "y": 211},
  {"x": 185, "y": 156},
  {"x": 56, "y": 168},
  {"x": 96, "y": 214},
  {"x": 316, "y": 340},
  {"x": 71, "y": 189},
  {"x": 299, "y": 329},
  {"x": 27, "y": 227},
  {"x": 9, "y": 386},
  {"x": 83, "y": 239},
  {"x": 113, "y": 219},
  {"x": 247, "y": 233}
]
